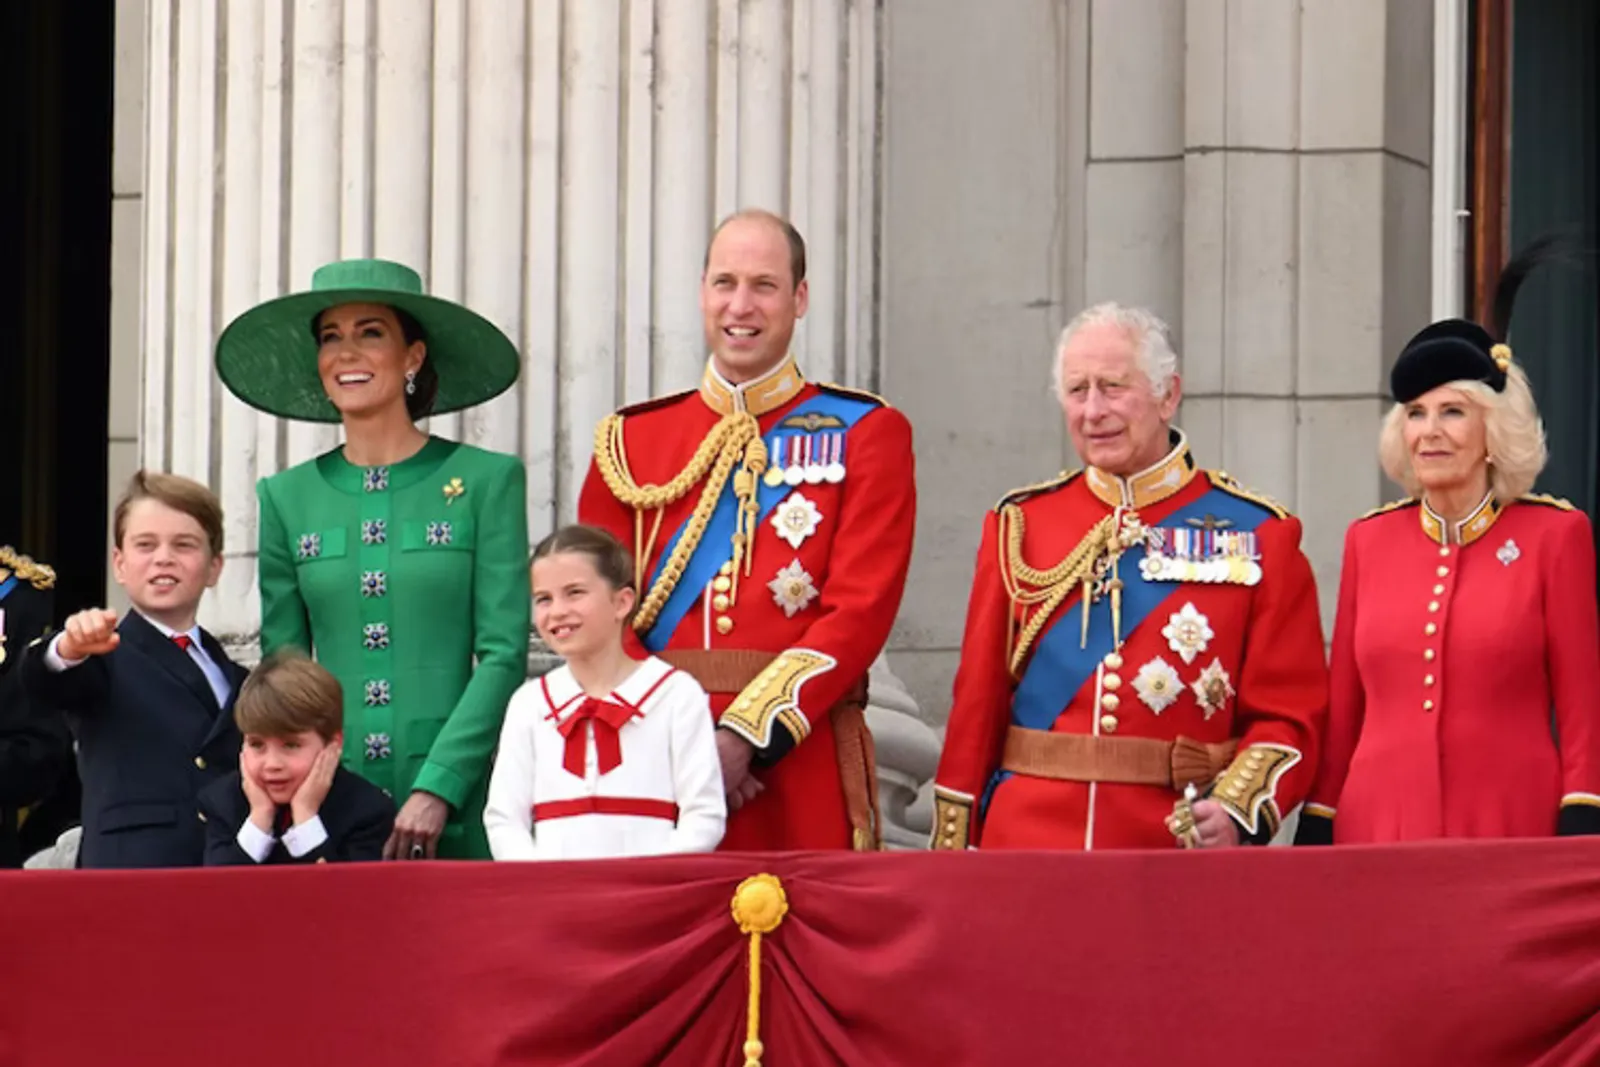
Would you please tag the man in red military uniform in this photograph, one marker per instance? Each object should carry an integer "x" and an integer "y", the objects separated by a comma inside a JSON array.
[
  {"x": 1135, "y": 628},
  {"x": 771, "y": 522}
]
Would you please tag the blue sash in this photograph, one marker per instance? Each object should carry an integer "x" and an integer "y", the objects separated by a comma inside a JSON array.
[
  {"x": 7, "y": 585},
  {"x": 1058, "y": 667},
  {"x": 716, "y": 544}
]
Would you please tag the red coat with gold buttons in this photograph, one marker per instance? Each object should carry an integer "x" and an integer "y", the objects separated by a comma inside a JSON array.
[
  {"x": 1214, "y": 660},
  {"x": 830, "y": 530},
  {"x": 1453, "y": 651}
]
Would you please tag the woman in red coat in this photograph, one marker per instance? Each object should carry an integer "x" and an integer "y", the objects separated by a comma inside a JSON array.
[{"x": 1466, "y": 650}]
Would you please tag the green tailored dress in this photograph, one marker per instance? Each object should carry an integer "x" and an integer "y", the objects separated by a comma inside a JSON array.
[{"x": 396, "y": 578}]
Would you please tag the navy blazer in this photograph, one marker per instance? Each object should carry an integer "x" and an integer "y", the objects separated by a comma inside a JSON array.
[
  {"x": 150, "y": 738},
  {"x": 357, "y": 815}
]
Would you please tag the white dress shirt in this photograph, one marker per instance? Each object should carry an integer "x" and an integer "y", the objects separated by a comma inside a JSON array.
[
  {"x": 298, "y": 839},
  {"x": 669, "y": 757}
]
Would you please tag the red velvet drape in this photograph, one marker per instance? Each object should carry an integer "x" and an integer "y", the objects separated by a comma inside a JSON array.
[{"x": 1481, "y": 954}]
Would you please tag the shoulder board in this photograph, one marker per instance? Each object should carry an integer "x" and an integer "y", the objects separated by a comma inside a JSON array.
[
  {"x": 1547, "y": 500},
  {"x": 1393, "y": 505},
  {"x": 656, "y": 402},
  {"x": 854, "y": 394},
  {"x": 35, "y": 574},
  {"x": 1017, "y": 496},
  {"x": 1226, "y": 482}
]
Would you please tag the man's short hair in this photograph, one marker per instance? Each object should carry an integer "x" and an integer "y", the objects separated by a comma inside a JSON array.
[
  {"x": 179, "y": 494},
  {"x": 289, "y": 694},
  {"x": 797, "y": 244}
]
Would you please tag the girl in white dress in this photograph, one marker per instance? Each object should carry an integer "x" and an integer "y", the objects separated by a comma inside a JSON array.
[{"x": 607, "y": 755}]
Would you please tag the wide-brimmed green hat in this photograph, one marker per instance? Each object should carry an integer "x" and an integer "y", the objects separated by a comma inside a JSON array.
[{"x": 267, "y": 357}]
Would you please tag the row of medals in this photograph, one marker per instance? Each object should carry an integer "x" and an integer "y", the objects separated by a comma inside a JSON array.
[
  {"x": 804, "y": 470},
  {"x": 1242, "y": 569}
]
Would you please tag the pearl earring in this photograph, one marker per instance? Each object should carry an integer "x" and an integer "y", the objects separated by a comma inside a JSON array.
[{"x": 411, "y": 382}]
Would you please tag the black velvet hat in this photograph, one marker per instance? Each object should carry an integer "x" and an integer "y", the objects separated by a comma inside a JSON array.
[
  {"x": 1456, "y": 350},
  {"x": 1453, "y": 350}
]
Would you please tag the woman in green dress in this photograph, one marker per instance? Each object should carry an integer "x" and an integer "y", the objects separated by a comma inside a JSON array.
[{"x": 399, "y": 559}]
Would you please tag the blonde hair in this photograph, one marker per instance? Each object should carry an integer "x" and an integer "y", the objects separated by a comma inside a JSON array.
[{"x": 1513, "y": 432}]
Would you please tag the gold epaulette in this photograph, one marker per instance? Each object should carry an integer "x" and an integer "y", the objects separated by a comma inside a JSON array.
[
  {"x": 1393, "y": 505},
  {"x": 1230, "y": 485},
  {"x": 856, "y": 394},
  {"x": 1547, "y": 500},
  {"x": 1017, "y": 496},
  {"x": 35, "y": 574}
]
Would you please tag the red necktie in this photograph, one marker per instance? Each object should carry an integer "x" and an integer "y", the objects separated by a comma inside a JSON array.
[
  {"x": 608, "y": 718},
  {"x": 182, "y": 641}
]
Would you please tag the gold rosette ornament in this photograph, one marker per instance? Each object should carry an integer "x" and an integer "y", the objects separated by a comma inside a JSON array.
[{"x": 759, "y": 905}]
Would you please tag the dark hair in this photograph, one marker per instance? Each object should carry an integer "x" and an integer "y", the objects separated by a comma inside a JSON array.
[
  {"x": 797, "y": 244},
  {"x": 288, "y": 694},
  {"x": 419, "y": 404},
  {"x": 610, "y": 558},
  {"x": 179, "y": 494}
]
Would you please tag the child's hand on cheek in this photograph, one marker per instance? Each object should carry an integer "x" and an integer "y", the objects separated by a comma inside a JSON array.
[
  {"x": 262, "y": 809},
  {"x": 313, "y": 791}
]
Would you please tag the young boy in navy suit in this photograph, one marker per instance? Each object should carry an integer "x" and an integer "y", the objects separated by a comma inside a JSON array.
[
  {"x": 290, "y": 801},
  {"x": 149, "y": 697}
]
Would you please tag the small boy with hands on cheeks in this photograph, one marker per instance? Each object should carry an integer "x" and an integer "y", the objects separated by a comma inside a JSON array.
[{"x": 289, "y": 801}]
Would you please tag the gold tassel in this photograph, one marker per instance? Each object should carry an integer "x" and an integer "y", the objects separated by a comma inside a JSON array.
[
  {"x": 759, "y": 905},
  {"x": 1088, "y": 591}
]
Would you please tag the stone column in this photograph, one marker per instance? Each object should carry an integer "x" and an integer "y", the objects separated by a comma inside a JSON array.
[
  {"x": 1306, "y": 243},
  {"x": 555, "y": 164}
]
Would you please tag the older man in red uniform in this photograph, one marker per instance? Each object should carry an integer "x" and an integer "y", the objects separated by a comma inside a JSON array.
[
  {"x": 1134, "y": 629},
  {"x": 771, "y": 520}
]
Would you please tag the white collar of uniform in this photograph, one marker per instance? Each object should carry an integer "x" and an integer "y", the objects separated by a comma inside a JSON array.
[{"x": 642, "y": 685}]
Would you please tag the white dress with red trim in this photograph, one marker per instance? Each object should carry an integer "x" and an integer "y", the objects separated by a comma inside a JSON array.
[{"x": 633, "y": 774}]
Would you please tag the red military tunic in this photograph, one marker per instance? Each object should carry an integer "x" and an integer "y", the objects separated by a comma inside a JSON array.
[
  {"x": 1037, "y": 752},
  {"x": 830, "y": 539},
  {"x": 1450, "y": 649}
]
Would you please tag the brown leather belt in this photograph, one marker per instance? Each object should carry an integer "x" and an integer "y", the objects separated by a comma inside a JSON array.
[
  {"x": 1127, "y": 760},
  {"x": 719, "y": 670},
  {"x": 730, "y": 670}
]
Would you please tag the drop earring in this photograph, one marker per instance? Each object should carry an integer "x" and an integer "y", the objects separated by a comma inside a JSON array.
[{"x": 411, "y": 383}]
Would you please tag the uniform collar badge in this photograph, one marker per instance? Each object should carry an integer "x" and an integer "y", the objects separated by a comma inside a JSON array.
[
  {"x": 758, "y": 396},
  {"x": 1475, "y": 525},
  {"x": 1150, "y": 486}
]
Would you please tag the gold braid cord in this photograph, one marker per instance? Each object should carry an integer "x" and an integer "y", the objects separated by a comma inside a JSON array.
[
  {"x": 736, "y": 438},
  {"x": 35, "y": 574},
  {"x": 1044, "y": 590}
]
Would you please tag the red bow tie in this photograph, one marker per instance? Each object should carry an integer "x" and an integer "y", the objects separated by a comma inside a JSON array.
[{"x": 608, "y": 718}]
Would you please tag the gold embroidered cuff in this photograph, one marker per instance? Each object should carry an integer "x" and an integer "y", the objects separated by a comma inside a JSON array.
[
  {"x": 952, "y": 819},
  {"x": 1586, "y": 799},
  {"x": 1321, "y": 810},
  {"x": 1246, "y": 788},
  {"x": 774, "y": 697}
]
